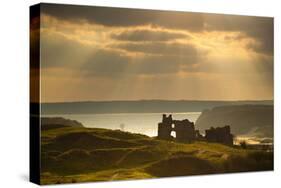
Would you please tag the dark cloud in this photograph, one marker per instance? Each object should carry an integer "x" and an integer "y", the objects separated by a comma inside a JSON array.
[
  {"x": 260, "y": 28},
  {"x": 111, "y": 63},
  {"x": 106, "y": 62},
  {"x": 58, "y": 51},
  {"x": 159, "y": 56},
  {"x": 264, "y": 47},
  {"x": 160, "y": 48},
  {"x": 147, "y": 35},
  {"x": 122, "y": 17}
]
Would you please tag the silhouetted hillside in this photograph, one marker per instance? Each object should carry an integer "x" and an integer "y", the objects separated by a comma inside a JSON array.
[
  {"x": 137, "y": 106},
  {"x": 58, "y": 122},
  {"x": 243, "y": 119}
]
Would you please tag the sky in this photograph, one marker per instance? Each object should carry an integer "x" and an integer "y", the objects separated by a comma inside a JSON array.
[{"x": 100, "y": 54}]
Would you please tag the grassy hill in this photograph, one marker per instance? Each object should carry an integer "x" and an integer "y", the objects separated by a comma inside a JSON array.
[{"x": 78, "y": 154}]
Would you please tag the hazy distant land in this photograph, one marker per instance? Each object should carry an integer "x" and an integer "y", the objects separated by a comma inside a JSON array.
[
  {"x": 243, "y": 119},
  {"x": 141, "y": 106}
]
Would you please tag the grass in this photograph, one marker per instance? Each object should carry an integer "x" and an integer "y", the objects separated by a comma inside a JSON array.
[{"x": 80, "y": 154}]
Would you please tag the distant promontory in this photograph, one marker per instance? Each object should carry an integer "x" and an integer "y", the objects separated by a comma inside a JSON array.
[{"x": 243, "y": 119}]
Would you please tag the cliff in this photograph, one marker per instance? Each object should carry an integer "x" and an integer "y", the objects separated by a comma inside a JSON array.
[{"x": 243, "y": 119}]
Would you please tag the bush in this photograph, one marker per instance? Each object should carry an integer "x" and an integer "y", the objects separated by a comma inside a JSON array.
[{"x": 243, "y": 144}]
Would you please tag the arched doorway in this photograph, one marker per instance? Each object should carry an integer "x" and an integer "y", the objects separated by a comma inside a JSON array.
[{"x": 173, "y": 134}]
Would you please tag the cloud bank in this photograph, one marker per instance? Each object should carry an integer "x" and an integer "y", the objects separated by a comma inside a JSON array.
[{"x": 133, "y": 54}]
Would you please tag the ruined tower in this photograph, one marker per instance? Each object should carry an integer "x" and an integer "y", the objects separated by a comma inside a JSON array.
[
  {"x": 165, "y": 127},
  {"x": 184, "y": 129},
  {"x": 220, "y": 135}
]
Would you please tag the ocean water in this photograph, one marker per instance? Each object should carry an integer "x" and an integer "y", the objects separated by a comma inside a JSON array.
[{"x": 143, "y": 123}]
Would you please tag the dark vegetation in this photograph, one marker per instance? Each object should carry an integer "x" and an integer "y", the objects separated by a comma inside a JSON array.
[
  {"x": 79, "y": 154},
  {"x": 243, "y": 144}
]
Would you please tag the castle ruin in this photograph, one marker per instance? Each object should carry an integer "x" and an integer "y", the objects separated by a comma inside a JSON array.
[
  {"x": 183, "y": 129},
  {"x": 185, "y": 132},
  {"x": 220, "y": 135}
]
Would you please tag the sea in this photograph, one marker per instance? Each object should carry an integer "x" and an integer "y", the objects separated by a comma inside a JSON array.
[{"x": 143, "y": 123}]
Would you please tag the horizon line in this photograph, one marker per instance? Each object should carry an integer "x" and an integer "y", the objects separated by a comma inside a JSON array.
[{"x": 140, "y": 100}]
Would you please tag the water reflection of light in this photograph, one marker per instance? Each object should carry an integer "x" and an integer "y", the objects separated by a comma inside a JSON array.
[
  {"x": 251, "y": 140},
  {"x": 143, "y": 123}
]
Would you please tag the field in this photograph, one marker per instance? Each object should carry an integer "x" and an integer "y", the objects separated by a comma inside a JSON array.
[{"x": 78, "y": 154}]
